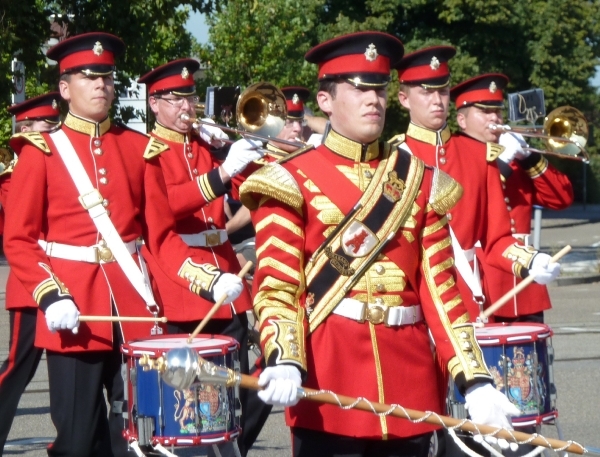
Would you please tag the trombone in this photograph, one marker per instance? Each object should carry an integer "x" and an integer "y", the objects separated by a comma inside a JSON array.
[
  {"x": 261, "y": 111},
  {"x": 565, "y": 133}
]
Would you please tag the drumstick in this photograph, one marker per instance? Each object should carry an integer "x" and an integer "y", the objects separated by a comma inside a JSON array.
[
  {"x": 121, "y": 319},
  {"x": 217, "y": 305},
  {"x": 519, "y": 287}
]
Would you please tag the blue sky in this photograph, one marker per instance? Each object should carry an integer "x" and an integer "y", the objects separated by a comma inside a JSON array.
[{"x": 197, "y": 26}]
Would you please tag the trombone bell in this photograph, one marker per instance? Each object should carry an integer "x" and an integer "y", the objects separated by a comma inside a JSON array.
[
  {"x": 261, "y": 110},
  {"x": 569, "y": 123}
]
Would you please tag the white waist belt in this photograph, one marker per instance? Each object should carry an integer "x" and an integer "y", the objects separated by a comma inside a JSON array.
[
  {"x": 379, "y": 313},
  {"x": 91, "y": 254},
  {"x": 205, "y": 239}
]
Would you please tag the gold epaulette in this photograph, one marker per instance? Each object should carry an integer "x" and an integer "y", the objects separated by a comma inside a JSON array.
[
  {"x": 396, "y": 141},
  {"x": 272, "y": 181},
  {"x": 445, "y": 192},
  {"x": 34, "y": 138},
  {"x": 493, "y": 151},
  {"x": 154, "y": 148}
]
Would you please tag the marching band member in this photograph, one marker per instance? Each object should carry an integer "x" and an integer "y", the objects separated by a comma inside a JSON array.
[
  {"x": 480, "y": 218},
  {"x": 339, "y": 306},
  {"x": 80, "y": 197},
  {"x": 527, "y": 179},
  {"x": 196, "y": 189},
  {"x": 37, "y": 114}
]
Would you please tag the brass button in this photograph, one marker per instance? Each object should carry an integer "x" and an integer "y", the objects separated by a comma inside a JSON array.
[
  {"x": 102, "y": 171},
  {"x": 506, "y": 199},
  {"x": 98, "y": 151},
  {"x": 195, "y": 172},
  {"x": 380, "y": 288},
  {"x": 513, "y": 230},
  {"x": 509, "y": 208},
  {"x": 443, "y": 161},
  {"x": 105, "y": 202},
  {"x": 97, "y": 142},
  {"x": 103, "y": 180},
  {"x": 442, "y": 152},
  {"x": 368, "y": 174},
  {"x": 190, "y": 155},
  {"x": 380, "y": 269},
  {"x": 512, "y": 222},
  {"x": 449, "y": 216}
]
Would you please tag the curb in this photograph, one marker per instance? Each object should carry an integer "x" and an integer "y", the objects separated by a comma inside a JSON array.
[{"x": 572, "y": 280}]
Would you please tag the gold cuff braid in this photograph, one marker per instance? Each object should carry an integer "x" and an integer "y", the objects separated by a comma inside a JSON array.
[
  {"x": 469, "y": 358},
  {"x": 200, "y": 276}
]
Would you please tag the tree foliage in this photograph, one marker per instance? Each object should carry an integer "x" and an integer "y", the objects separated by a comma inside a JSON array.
[
  {"x": 548, "y": 44},
  {"x": 154, "y": 32}
]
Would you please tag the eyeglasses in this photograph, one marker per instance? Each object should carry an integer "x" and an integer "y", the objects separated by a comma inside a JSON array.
[{"x": 177, "y": 102}]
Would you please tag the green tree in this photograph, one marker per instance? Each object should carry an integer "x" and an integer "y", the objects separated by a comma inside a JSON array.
[
  {"x": 548, "y": 44},
  {"x": 153, "y": 31}
]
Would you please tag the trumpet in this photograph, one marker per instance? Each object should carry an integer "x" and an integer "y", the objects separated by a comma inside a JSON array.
[
  {"x": 565, "y": 133},
  {"x": 261, "y": 112}
]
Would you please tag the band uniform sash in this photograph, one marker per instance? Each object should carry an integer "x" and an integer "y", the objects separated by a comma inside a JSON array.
[{"x": 386, "y": 204}]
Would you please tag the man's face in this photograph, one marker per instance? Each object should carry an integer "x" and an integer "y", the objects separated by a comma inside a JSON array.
[
  {"x": 38, "y": 125},
  {"x": 356, "y": 113},
  {"x": 427, "y": 107},
  {"x": 292, "y": 131},
  {"x": 475, "y": 122},
  {"x": 89, "y": 97},
  {"x": 168, "y": 109}
]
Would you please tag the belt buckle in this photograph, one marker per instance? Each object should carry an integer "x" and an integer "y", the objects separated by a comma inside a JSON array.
[
  {"x": 213, "y": 239},
  {"x": 376, "y": 314},
  {"x": 103, "y": 253}
]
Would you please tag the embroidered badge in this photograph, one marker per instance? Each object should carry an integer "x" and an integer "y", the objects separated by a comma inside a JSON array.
[
  {"x": 393, "y": 188},
  {"x": 371, "y": 53},
  {"x": 54, "y": 104},
  {"x": 295, "y": 99},
  {"x": 98, "y": 49},
  {"x": 341, "y": 265},
  {"x": 493, "y": 87},
  {"x": 435, "y": 63},
  {"x": 358, "y": 240},
  {"x": 185, "y": 74}
]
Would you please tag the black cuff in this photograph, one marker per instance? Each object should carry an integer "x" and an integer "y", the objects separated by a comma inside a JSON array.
[
  {"x": 531, "y": 161},
  {"x": 271, "y": 362},
  {"x": 463, "y": 385},
  {"x": 52, "y": 297}
]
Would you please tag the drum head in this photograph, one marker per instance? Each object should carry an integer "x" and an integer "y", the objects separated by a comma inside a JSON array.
[
  {"x": 492, "y": 334},
  {"x": 204, "y": 344}
]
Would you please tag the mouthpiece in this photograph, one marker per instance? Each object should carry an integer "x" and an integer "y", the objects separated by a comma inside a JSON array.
[{"x": 186, "y": 118}]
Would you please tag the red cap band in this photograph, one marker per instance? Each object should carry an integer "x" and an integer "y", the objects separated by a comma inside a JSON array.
[
  {"x": 424, "y": 72},
  {"x": 85, "y": 58},
  {"x": 354, "y": 63},
  {"x": 37, "y": 113},
  {"x": 171, "y": 83},
  {"x": 479, "y": 96}
]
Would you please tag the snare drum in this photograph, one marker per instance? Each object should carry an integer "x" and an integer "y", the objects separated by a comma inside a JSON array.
[
  {"x": 519, "y": 356},
  {"x": 157, "y": 413}
]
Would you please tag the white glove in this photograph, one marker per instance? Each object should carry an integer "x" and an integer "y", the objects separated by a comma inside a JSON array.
[
  {"x": 62, "y": 315},
  {"x": 489, "y": 406},
  {"x": 242, "y": 152},
  {"x": 315, "y": 139},
  {"x": 544, "y": 271},
  {"x": 513, "y": 144},
  {"x": 212, "y": 135},
  {"x": 282, "y": 383},
  {"x": 227, "y": 284}
]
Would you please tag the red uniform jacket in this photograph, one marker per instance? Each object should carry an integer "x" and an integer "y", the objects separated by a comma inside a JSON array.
[
  {"x": 528, "y": 182},
  {"x": 196, "y": 197},
  {"x": 43, "y": 204},
  {"x": 480, "y": 215},
  {"x": 292, "y": 217},
  {"x": 16, "y": 295}
]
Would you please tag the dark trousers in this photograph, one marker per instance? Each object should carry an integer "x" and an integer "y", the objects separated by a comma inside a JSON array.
[
  {"x": 253, "y": 408},
  {"x": 78, "y": 409},
  {"x": 313, "y": 443},
  {"x": 535, "y": 317},
  {"x": 19, "y": 368}
]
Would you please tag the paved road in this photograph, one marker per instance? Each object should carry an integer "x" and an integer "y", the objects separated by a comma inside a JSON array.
[{"x": 575, "y": 320}]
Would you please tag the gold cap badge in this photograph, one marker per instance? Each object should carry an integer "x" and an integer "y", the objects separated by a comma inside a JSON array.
[
  {"x": 435, "y": 63},
  {"x": 54, "y": 104},
  {"x": 371, "y": 53},
  {"x": 393, "y": 188},
  {"x": 493, "y": 87},
  {"x": 98, "y": 49},
  {"x": 185, "y": 74},
  {"x": 295, "y": 99}
]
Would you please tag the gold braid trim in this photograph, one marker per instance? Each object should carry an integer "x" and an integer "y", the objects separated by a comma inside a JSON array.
[
  {"x": 34, "y": 138},
  {"x": 280, "y": 244},
  {"x": 493, "y": 150},
  {"x": 431, "y": 229},
  {"x": 521, "y": 255},
  {"x": 201, "y": 276},
  {"x": 205, "y": 188},
  {"x": 289, "y": 340},
  {"x": 469, "y": 358},
  {"x": 49, "y": 285},
  {"x": 538, "y": 169},
  {"x": 445, "y": 192},
  {"x": 280, "y": 266},
  {"x": 273, "y": 181},
  {"x": 282, "y": 221},
  {"x": 154, "y": 148}
]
